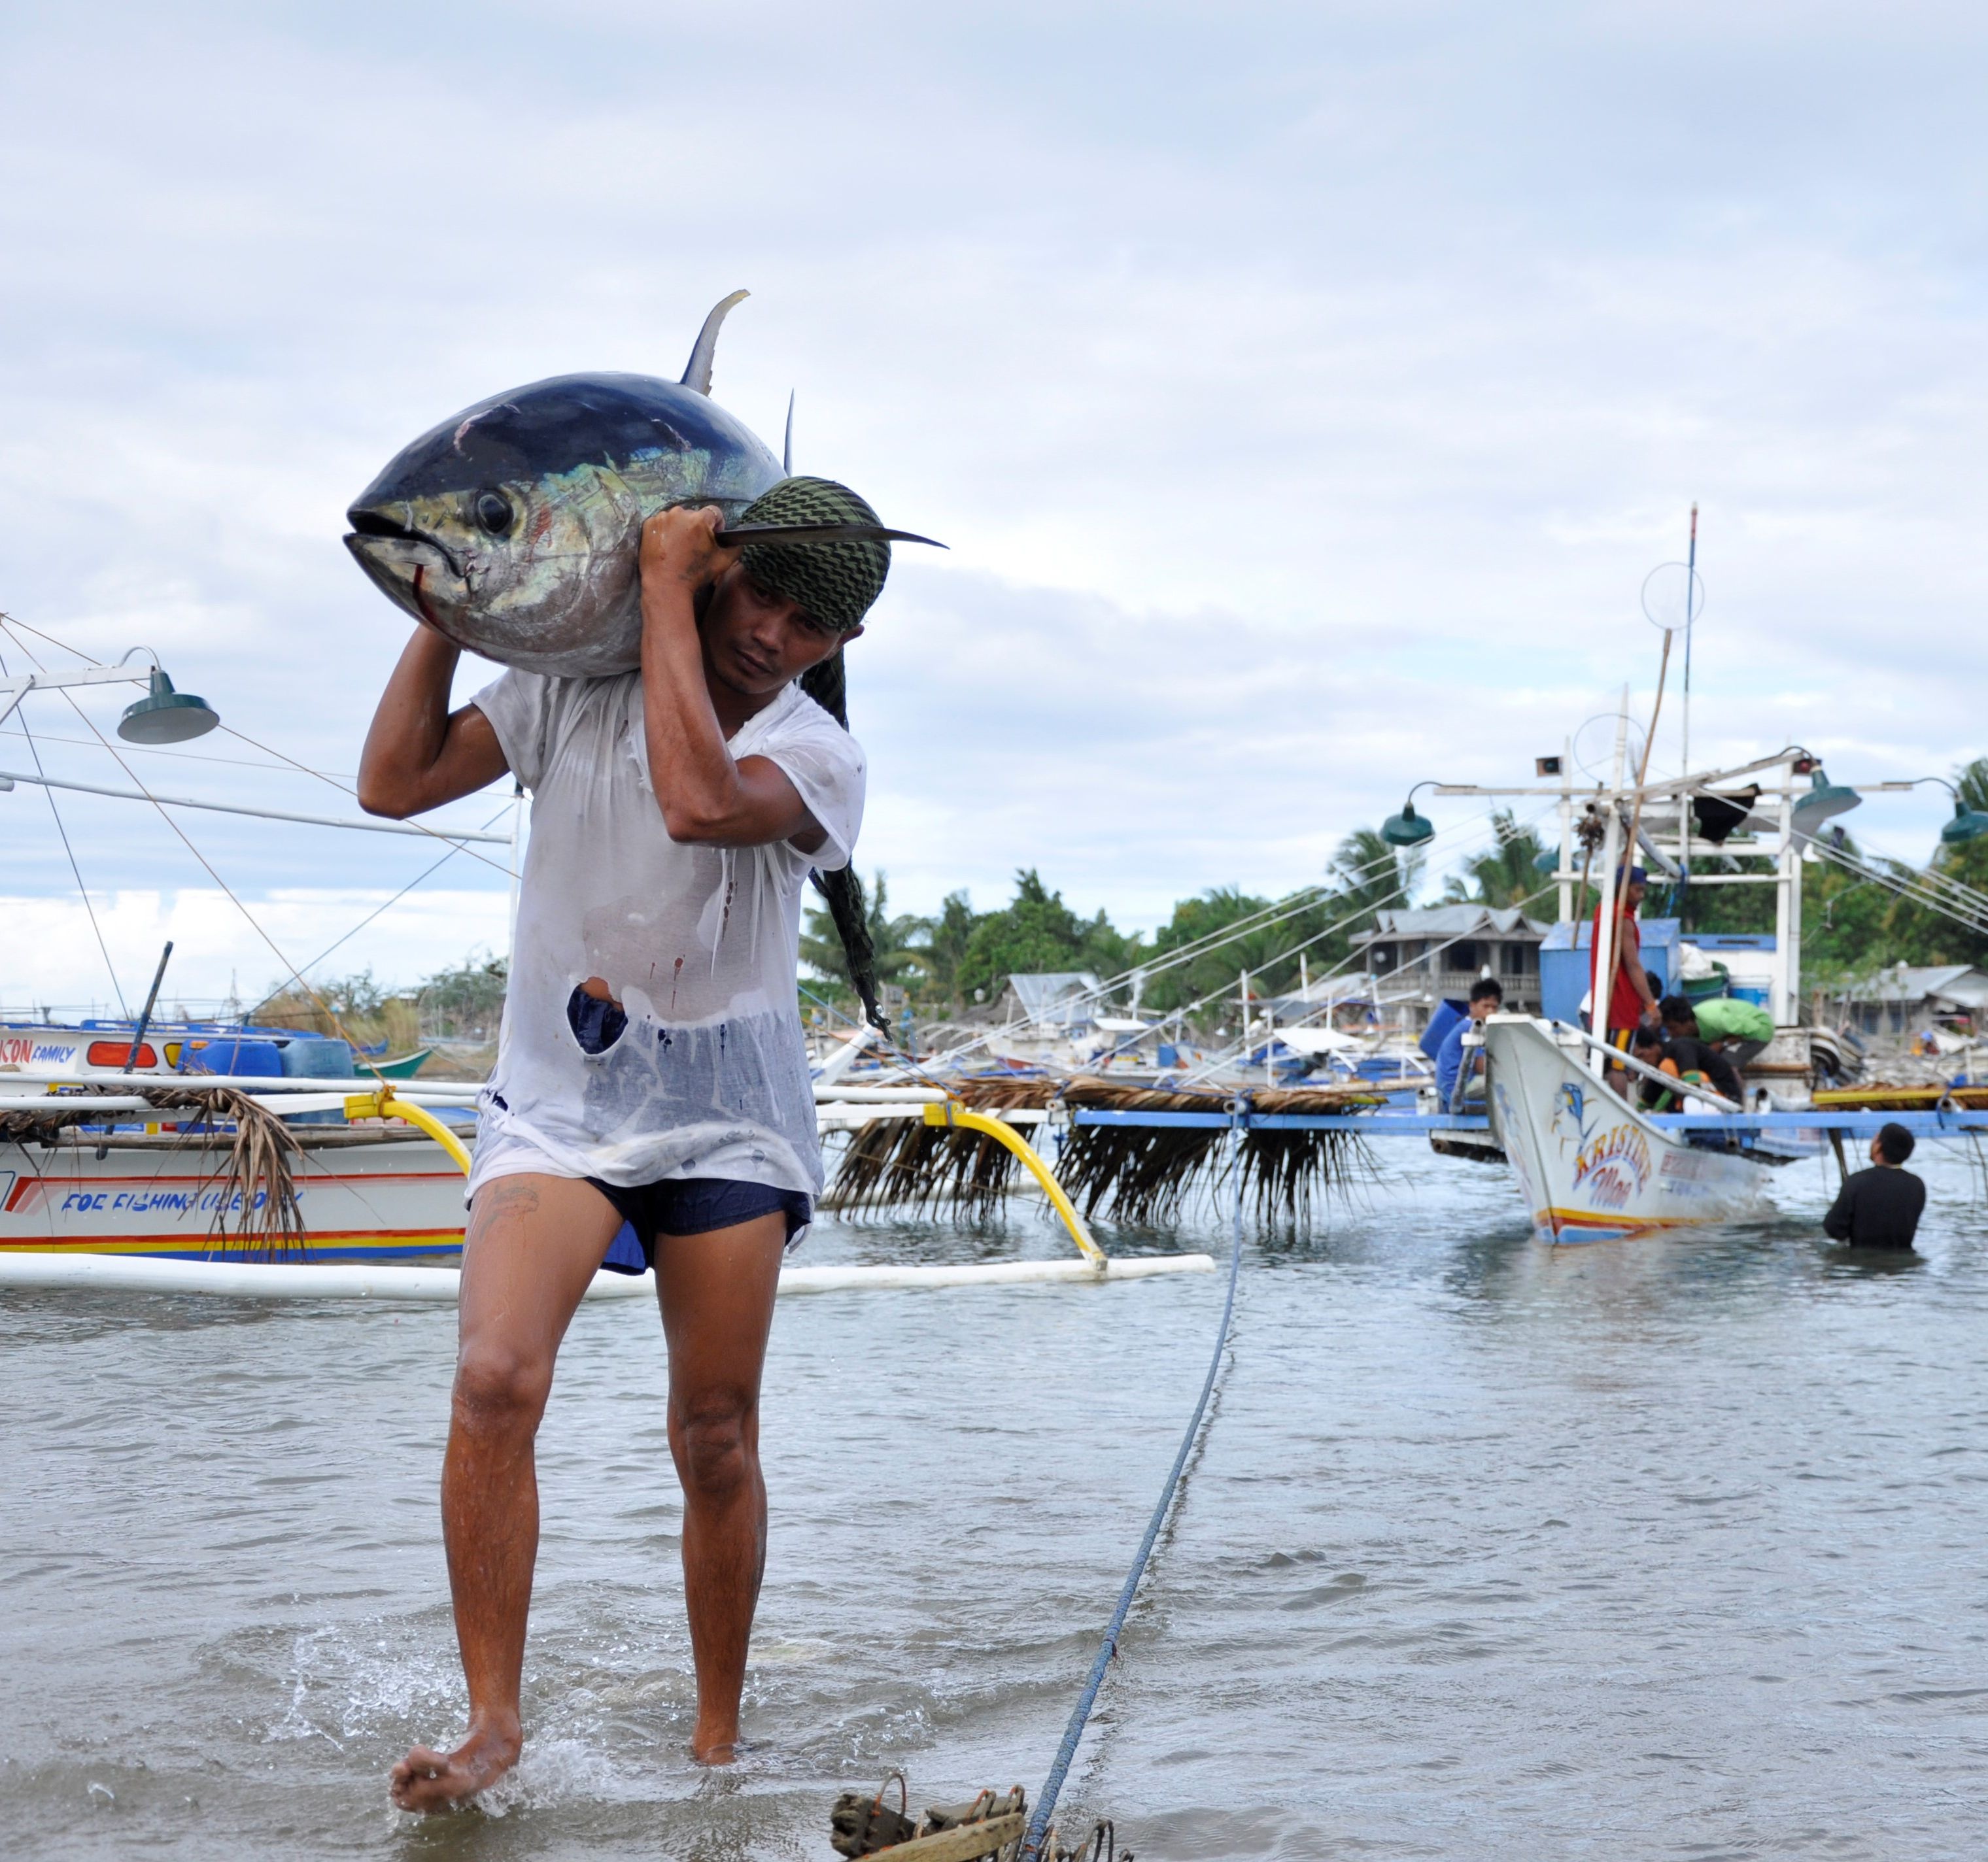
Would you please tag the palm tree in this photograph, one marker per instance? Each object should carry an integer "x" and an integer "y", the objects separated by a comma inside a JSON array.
[
  {"x": 898, "y": 941},
  {"x": 1506, "y": 875},
  {"x": 1369, "y": 876}
]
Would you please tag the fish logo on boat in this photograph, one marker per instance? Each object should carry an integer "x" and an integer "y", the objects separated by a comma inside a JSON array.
[
  {"x": 1571, "y": 1120},
  {"x": 1613, "y": 1167}
]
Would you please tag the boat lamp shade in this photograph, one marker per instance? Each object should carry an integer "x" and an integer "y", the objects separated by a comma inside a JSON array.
[
  {"x": 164, "y": 716},
  {"x": 1825, "y": 798},
  {"x": 1967, "y": 824},
  {"x": 1407, "y": 829}
]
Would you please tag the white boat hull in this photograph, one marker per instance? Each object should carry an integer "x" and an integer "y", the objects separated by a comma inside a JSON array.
[
  {"x": 393, "y": 1199},
  {"x": 1589, "y": 1165}
]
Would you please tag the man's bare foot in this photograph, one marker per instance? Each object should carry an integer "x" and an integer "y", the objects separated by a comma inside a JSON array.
[
  {"x": 427, "y": 1780},
  {"x": 717, "y": 1745}
]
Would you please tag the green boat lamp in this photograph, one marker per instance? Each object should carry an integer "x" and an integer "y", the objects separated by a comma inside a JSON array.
[
  {"x": 1967, "y": 824},
  {"x": 164, "y": 716},
  {"x": 1409, "y": 829},
  {"x": 1824, "y": 799}
]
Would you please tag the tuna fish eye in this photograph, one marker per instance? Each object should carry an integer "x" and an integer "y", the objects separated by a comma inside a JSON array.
[{"x": 493, "y": 513}]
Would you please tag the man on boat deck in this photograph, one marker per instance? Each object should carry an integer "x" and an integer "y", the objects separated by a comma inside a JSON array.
[
  {"x": 1452, "y": 1063},
  {"x": 1693, "y": 1053},
  {"x": 650, "y": 1074},
  {"x": 1632, "y": 1001}
]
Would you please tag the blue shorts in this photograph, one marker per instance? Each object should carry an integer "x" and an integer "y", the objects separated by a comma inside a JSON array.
[{"x": 690, "y": 1206}]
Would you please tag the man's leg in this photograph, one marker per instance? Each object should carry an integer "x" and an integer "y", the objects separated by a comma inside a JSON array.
[
  {"x": 534, "y": 1242},
  {"x": 717, "y": 1291}
]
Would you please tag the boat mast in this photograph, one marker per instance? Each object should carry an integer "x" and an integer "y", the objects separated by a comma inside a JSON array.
[
  {"x": 1565, "y": 875},
  {"x": 1604, "y": 948},
  {"x": 1684, "y": 795}
]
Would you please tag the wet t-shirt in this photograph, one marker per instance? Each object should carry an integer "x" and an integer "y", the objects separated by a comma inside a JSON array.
[{"x": 696, "y": 1068}]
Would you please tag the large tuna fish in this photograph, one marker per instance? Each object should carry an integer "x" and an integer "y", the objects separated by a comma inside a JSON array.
[{"x": 513, "y": 528}]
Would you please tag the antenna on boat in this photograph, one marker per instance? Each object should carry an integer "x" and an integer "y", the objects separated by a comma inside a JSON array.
[
  {"x": 1673, "y": 597},
  {"x": 1684, "y": 799}
]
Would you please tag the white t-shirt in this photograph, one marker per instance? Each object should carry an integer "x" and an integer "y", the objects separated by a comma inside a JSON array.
[{"x": 698, "y": 945}]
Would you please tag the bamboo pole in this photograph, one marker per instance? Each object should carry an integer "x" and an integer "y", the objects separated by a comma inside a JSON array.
[{"x": 1607, "y": 1001}]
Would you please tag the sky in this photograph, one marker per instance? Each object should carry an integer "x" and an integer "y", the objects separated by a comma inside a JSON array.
[{"x": 1305, "y": 393}]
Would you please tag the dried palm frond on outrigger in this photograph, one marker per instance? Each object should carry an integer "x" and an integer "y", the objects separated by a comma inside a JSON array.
[{"x": 1134, "y": 1173}]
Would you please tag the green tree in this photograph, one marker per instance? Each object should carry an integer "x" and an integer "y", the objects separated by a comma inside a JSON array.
[
  {"x": 1369, "y": 876},
  {"x": 466, "y": 1002},
  {"x": 1035, "y": 931},
  {"x": 899, "y": 942},
  {"x": 1506, "y": 875},
  {"x": 948, "y": 939}
]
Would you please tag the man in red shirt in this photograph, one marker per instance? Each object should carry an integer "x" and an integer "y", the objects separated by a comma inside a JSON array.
[{"x": 1632, "y": 1001}]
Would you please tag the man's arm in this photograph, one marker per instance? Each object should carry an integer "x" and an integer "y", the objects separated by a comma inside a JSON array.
[
  {"x": 418, "y": 753},
  {"x": 707, "y": 799},
  {"x": 1837, "y": 1224},
  {"x": 1639, "y": 980}
]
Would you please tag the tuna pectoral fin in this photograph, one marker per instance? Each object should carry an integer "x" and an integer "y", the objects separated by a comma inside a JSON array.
[
  {"x": 736, "y": 536},
  {"x": 697, "y": 371}
]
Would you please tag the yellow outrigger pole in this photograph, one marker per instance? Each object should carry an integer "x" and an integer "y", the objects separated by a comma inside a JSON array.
[
  {"x": 952, "y": 1115},
  {"x": 955, "y": 1117},
  {"x": 384, "y": 1104}
]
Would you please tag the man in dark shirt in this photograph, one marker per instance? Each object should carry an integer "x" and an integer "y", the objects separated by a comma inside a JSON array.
[
  {"x": 1694, "y": 1054},
  {"x": 1880, "y": 1208}
]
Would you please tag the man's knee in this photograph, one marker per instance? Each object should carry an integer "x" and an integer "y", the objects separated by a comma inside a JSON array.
[
  {"x": 499, "y": 1388},
  {"x": 716, "y": 1438}
]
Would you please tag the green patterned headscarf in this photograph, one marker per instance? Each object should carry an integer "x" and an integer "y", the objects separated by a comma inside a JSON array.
[{"x": 835, "y": 583}]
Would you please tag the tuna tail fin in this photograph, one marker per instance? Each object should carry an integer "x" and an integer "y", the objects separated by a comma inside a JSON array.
[
  {"x": 697, "y": 371},
  {"x": 787, "y": 444},
  {"x": 826, "y": 682}
]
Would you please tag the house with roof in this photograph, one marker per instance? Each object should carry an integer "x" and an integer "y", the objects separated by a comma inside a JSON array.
[
  {"x": 1060, "y": 1001},
  {"x": 1903, "y": 997},
  {"x": 1424, "y": 954}
]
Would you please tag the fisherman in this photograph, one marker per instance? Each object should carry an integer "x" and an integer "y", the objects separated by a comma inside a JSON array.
[
  {"x": 1487, "y": 997},
  {"x": 1694, "y": 1056},
  {"x": 1739, "y": 1029},
  {"x": 1632, "y": 1001},
  {"x": 1880, "y": 1208},
  {"x": 651, "y": 1103},
  {"x": 1647, "y": 1045}
]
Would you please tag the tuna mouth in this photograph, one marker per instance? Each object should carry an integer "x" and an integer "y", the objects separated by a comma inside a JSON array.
[
  {"x": 368, "y": 520},
  {"x": 374, "y": 525},
  {"x": 411, "y": 572}
]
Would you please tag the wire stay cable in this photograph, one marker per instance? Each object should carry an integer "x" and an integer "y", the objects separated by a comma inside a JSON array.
[{"x": 1046, "y": 1804}]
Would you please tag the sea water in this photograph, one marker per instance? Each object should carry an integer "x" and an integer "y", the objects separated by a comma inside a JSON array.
[{"x": 1672, "y": 1548}]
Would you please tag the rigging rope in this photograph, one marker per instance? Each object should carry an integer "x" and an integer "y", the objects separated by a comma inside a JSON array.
[
  {"x": 82, "y": 891},
  {"x": 1046, "y": 1803}
]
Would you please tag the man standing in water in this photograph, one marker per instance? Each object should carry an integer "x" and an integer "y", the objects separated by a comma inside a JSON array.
[
  {"x": 1880, "y": 1207},
  {"x": 651, "y": 1071}
]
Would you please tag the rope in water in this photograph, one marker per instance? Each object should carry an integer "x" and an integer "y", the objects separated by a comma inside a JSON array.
[{"x": 1074, "y": 1732}]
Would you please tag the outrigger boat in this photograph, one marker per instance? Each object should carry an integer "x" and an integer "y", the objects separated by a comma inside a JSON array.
[{"x": 1591, "y": 1164}]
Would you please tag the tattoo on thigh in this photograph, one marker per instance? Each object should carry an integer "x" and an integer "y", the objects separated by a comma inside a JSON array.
[{"x": 506, "y": 1198}]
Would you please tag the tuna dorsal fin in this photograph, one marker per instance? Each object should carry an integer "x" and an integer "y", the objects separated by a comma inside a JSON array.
[
  {"x": 787, "y": 444},
  {"x": 697, "y": 371}
]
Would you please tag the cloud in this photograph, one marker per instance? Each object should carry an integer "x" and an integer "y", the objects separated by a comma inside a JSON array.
[
  {"x": 1305, "y": 391},
  {"x": 53, "y": 959}
]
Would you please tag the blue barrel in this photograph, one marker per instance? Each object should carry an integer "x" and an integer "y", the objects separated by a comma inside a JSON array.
[
  {"x": 317, "y": 1057},
  {"x": 253, "y": 1056}
]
